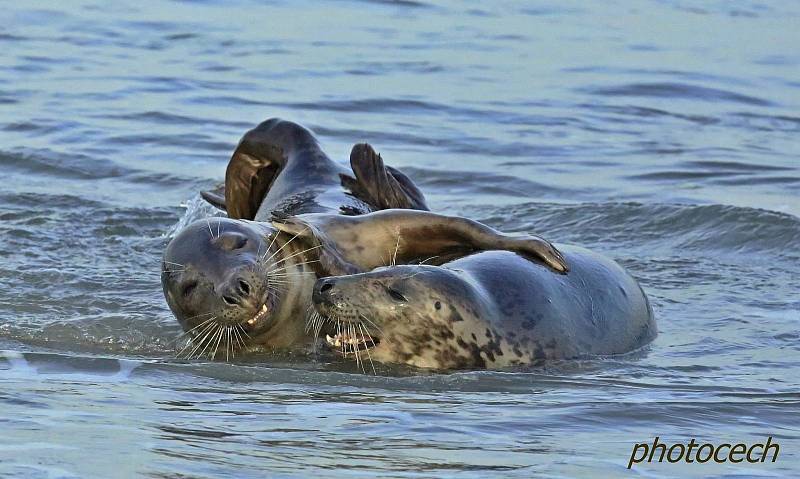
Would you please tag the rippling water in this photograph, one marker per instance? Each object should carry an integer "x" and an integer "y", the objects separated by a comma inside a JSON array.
[{"x": 662, "y": 133}]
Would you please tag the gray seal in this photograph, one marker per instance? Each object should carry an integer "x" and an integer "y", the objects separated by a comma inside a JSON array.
[{"x": 492, "y": 309}]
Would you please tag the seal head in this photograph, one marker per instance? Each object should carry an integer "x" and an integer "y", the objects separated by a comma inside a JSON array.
[
  {"x": 399, "y": 314},
  {"x": 224, "y": 280}
]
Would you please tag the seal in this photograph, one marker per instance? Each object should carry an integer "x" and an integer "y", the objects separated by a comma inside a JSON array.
[
  {"x": 233, "y": 284},
  {"x": 488, "y": 310}
]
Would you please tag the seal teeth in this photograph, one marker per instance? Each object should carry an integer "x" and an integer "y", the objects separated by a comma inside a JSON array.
[{"x": 260, "y": 314}]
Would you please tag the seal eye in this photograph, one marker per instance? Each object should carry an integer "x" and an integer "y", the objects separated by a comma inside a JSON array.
[
  {"x": 189, "y": 288},
  {"x": 396, "y": 295},
  {"x": 240, "y": 243},
  {"x": 230, "y": 241}
]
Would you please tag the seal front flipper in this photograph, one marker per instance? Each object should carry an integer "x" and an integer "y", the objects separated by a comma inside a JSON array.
[
  {"x": 323, "y": 256},
  {"x": 252, "y": 169},
  {"x": 538, "y": 248},
  {"x": 379, "y": 185}
]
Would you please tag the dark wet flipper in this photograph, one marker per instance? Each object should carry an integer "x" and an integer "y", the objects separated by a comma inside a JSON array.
[
  {"x": 323, "y": 257},
  {"x": 540, "y": 249},
  {"x": 216, "y": 197},
  {"x": 381, "y": 186}
]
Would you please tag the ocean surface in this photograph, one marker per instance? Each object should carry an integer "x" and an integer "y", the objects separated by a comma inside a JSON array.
[{"x": 664, "y": 134}]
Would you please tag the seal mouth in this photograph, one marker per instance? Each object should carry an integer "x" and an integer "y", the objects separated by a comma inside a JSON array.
[
  {"x": 261, "y": 314},
  {"x": 351, "y": 343}
]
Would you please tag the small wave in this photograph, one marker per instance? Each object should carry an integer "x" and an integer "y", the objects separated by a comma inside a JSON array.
[
  {"x": 677, "y": 90},
  {"x": 655, "y": 227},
  {"x": 75, "y": 166}
]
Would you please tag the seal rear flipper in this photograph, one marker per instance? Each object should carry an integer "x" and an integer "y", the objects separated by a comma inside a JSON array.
[
  {"x": 216, "y": 197},
  {"x": 379, "y": 185},
  {"x": 253, "y": 167}
]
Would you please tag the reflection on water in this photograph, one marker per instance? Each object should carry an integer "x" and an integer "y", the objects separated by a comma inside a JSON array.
[{"x": 661, "y": 133}]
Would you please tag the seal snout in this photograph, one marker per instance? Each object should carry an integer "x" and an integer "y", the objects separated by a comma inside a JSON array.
[
  {"x": 324, "y": 290},
  {"x": 237, "y": 292}
]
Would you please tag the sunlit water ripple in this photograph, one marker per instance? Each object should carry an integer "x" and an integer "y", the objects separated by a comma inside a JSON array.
[{"x": 661, "y": 133}]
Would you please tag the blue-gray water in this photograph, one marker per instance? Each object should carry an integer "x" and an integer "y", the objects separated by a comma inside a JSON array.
[{"x": 661, "y": 133}]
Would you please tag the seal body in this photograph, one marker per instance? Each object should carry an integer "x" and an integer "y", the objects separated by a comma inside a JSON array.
[
  {"x": 491, "y": 309},
  {"x": 279, "y": 166}
]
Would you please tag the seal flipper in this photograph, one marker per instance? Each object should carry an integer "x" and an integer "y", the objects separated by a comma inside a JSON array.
[
  {"x": 216, "y": 197},
  {"x": 379, "y": 185},
  {"x": 252, "y": 169},
  {"x": 324, "y": 258}
]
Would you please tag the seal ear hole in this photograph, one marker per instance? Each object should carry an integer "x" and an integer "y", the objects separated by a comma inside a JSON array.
[{"x": 189, "y": 288}]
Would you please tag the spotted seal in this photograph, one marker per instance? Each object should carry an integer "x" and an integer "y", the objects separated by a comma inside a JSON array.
[{"x": 492, "y": 309}]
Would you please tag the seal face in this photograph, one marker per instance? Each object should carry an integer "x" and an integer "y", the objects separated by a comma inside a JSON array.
[
  {"x": 401, "y": 314},
  {"x": 492, "y": 309},
  {"x": 225, "y": 281}
]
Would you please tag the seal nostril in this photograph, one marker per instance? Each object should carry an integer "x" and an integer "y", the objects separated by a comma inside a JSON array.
[
  {"x": 326, "y": 287},
  {"x": 229, "y": 300},
  {"x": 244, "y": 287}
]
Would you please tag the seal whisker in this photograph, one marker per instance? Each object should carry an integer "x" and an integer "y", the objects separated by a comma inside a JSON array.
[
  {"x": 369, "y": 356},
  {"x": 206, "y": 341},
  {"x": 245, "y": 332},
  {"x": 203, "y": 327},
  {"x": 396, "y": 248},
  {"x": 236, "y": 346},
  {"x": 284, "y": 245},
  {"x": 352, "y": 336},
  {"x": 210, "y": 233},
  {"x": 188, "y": 334},
  {"x": 218, "y": 335},
  {"x": 372, "y": 324},
  {"x": 274, "y": 237},
  {"x": 428, "y": 259},
  {"x": 301, "y": 252},
  {"x": 205, "y": 334},
  {"x": 237, "y": 336},
  {"x": 228, "y": 345}
]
